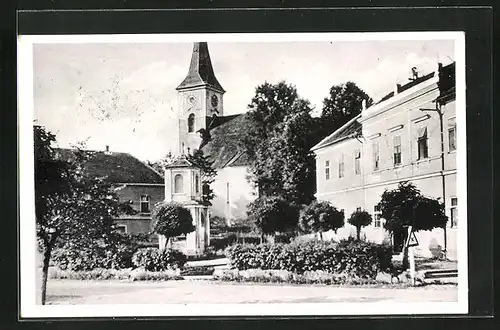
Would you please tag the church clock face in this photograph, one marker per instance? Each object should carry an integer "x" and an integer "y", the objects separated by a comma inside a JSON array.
[
  {"x": 215, "y": 100},
  {"x": 191, "y": 100}
]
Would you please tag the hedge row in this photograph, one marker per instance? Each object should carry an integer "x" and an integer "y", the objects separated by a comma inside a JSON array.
[
  {"x": 91, "y": 257},
  {"x": 117, "y": 257},
  {"x": 351, "y": 257}
]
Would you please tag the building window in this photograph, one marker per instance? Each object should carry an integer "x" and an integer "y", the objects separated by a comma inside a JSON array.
[
  {"x": 145, "y": 204},
  {"x": 178, "y": 184},
  {"x": 452, "y": 135},
  {"x": 121, "y": 228},
  {"x": 376, "y": 156},
  {"x": 197, "y": 183},
  {"x": 396, "y": 140},
  {"x": 423, "y": 150},
  {"x": 327, "y": 170},
  {"x": 454, "y": 212},
  {"x": 357, "y": 162},
  {"x": 191, "y": 123},
  {"x": 341, "y": 166},
  {"x": 376, "y": 217}
]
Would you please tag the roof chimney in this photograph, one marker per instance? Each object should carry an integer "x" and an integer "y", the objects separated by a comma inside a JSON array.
[
  {"x": 396, "y": 88},
  {"x": 107, "y": 148},
  {"x": 363, "y": 104}
]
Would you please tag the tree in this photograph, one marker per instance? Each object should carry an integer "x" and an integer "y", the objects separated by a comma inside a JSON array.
[
  {"x": 406, "y": 206},
  {"x": 343, "y": 103},
  {"x": 272, "y": 214},
  {"x": 277, "y": 142},
  {"x": 208, "y": 174},
  {"x": 171, "y": 220},
  {"x": 360, "y": 219},
  {"x": 70, "y": 205},
  {"x": 319, "y": 217}
]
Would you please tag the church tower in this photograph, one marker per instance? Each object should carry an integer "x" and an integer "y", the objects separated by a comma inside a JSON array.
[{"x": 199, "y": 99}]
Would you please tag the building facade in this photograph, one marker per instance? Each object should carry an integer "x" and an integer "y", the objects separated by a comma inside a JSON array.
[
  {"x": 397, "y": 139},
  {"x": 135, "y": 183}
]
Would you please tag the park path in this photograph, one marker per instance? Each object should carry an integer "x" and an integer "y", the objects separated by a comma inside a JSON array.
[{"x": 185, "y": 292}]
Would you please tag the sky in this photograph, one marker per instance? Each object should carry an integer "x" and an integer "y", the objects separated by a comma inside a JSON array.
[{"x": 123, "y": 94}]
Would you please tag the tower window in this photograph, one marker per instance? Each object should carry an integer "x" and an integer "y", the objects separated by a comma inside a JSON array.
[
  {"x": 178, "y": 184},
  {"x": 191, "y": 123}
]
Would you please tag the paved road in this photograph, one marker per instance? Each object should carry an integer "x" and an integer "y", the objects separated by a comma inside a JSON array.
[{"x": 181, "y": 292}]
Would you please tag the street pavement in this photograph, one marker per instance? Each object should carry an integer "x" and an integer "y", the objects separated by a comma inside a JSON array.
[{"x": 205, "y": 291}]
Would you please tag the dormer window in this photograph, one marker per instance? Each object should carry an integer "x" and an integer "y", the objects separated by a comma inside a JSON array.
[
  {"x": 191, "y": 123},
  {"x": 178, "y": 184}
]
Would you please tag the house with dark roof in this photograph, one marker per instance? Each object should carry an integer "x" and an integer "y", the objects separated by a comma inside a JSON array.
[
  {"x": 203, "y": 125},
  {"x": 135, "y": 183},
  {"x": 402, "y": 137}
]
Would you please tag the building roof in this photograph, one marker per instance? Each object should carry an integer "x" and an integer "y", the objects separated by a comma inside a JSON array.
[
  {"x": 118, "y": 167},
  {"x": 350, "y": 129},
  {"x": 181, "y": 161},
  {"x": 223, "y": 146},
  {"x": 201, "y": 72},
  {"x": 402, "y": 88},
  {"x": 353, "y": 128}
]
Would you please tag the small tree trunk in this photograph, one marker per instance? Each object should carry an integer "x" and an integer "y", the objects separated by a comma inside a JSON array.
[
  {"x": 45, "y": 272},
  {"x": 321, "y": 235},
  {"x": 358, "y": 233}
]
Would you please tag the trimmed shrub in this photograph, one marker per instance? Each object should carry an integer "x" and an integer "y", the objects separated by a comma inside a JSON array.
[
  {"x": 77, "y": 258},
  {"x": 354, "y": 258},
  {"x": 154, "y": 259}
]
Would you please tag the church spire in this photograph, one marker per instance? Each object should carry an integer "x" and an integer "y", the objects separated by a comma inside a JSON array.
[{"x": 201, "y": 72}]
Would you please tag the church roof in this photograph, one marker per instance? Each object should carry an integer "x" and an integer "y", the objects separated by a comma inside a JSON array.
[
  {"x": 201, "y": 72},
  {"x": 118, "y": 167},
  {"x": 223, "y": 148}
]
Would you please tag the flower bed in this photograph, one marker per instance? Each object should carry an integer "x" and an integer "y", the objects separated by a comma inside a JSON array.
[
  {"x": 284, "y": 276},
  {"x": 138, "y": 274}
]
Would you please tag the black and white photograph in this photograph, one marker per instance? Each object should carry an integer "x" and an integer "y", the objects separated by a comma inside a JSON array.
[{"x": 243, "y": 174}]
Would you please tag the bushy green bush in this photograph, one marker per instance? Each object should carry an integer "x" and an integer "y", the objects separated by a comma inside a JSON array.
[
  {"x": 354, "y": 258},
  {"x": 115, "y": 274},
  {"x": 154, "y": 259},
  {"x": 112, "y": 256}
]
